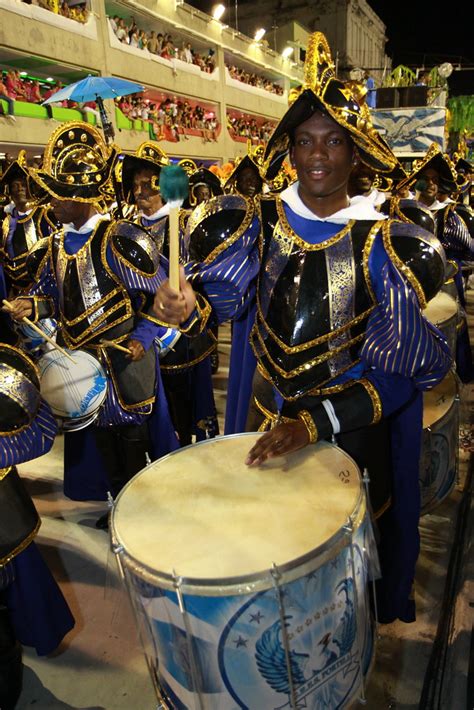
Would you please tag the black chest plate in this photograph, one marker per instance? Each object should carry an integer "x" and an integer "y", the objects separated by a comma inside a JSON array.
[
  {"x": 92, "y": 299},
  {"x": 313, "y": 304}
]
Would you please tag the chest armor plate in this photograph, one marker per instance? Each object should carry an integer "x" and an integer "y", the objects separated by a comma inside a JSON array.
[
  {"x": 313, "y": 304},
  {"x": 26, "y": 233},
  {"x": 92, "y": 298}
]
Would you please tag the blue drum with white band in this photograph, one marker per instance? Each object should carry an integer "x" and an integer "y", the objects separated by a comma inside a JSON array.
[
  {"x": 30, "y": 337},
  {"x": 249, "y": 584},
  {"x": 167, "y": 341}
]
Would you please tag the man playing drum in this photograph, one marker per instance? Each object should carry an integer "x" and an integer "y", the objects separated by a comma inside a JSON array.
[
  {"x": 343, "y": 350},
  {"x": 94, "y": 276}
]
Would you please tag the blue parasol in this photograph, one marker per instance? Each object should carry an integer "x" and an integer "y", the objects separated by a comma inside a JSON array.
[
  {"x": 94, "y": 87},
  {"x": 97, "y": 88}
]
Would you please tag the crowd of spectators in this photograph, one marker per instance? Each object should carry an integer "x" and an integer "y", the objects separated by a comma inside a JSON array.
[
  {"x": 248, "y": 127},
  {"x": 78, "y": 11},
  {"x": 15, "y": 87},
  {"x": 253, "y": 79},
  {"x": 160, "y": 44},
  {"x": 171, "y": 118}
]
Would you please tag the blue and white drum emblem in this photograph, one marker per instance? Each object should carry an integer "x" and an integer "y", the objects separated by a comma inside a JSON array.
[{"x": 225, "y": 628}]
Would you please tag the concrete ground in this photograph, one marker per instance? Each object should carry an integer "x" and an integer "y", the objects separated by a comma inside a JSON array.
[{"x": 100, "y": 665}]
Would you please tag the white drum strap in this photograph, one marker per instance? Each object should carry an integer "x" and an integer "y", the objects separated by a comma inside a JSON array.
[{"x": 336, "y": 426}]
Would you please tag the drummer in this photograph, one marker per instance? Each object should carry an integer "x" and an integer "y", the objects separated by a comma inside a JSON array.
[
  {"x": 337, "y": 306},
  {"x": 94, "y": 276},
  {"x": 25, "y": 220},
  {"x": 432, "y": 175},
  {"x": 33, "y": 610},
  {"x": 186, "y": 369}
]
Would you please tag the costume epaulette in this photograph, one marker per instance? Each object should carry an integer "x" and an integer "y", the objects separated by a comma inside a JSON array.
[
  {"x": 134, "y": 246},
  {"x": 37, "y": 257},
  {"x": 418, "y": 254},
  {"x": 215, "y": 224},
  {"x": 19, "y": 390}
]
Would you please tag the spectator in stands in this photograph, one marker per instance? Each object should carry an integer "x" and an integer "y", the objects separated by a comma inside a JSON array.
[
  {"x": 152, "y": 43},
  {"x": 114, "y": 23},
  {"x": 4, "y": 96},
  {"x": 122, "y": 33},
  {"x": 32, "y": 92}
]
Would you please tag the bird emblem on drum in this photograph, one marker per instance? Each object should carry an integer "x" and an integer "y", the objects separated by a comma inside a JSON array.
[{"x": 314, "y": 677}]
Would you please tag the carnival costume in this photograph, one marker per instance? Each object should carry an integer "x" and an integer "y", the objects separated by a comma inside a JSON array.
[
  {"x": 339, "y": 336},
  {"x": 185, "y": 365},
  {"x": 33, "y": 610},
  {"x": 96, "y": 281}
]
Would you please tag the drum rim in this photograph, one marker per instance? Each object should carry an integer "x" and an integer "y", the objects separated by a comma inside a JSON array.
[{"x": 261, "y": 579}]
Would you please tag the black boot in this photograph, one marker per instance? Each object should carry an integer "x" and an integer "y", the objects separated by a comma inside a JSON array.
[{"x": 11, "y": 666}]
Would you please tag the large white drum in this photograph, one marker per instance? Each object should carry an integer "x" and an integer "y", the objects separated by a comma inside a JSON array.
[
  {"x": 439, "y": 453},
  {"x": 442, "y": 311},
  {"x": 74, "y": 390},
  {"x": 249, "y": 584}
]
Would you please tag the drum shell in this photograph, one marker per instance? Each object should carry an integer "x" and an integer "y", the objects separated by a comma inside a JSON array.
[
  {"x": 442, "y": 311},
  {"x": 440, "y": 445},
  {"x": 217, "y": 611}
]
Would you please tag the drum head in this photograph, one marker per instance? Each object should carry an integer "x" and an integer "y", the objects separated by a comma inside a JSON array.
[
  {"x": 441, "y": 308},
  {"x": 73, "y": 389},
  {"x": 204, "y": 514},
  {"x": 438, "y": 401}
]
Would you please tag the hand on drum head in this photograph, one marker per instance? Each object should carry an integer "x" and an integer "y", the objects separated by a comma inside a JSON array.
[
  {"x": 283, "y": 439},
  {"x": 173, "y": 307},
  {"x": 19, "y": 308},
  {"x": 137, "y": 351}
]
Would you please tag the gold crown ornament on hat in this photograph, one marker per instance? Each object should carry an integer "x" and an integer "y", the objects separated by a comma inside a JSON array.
[
  {"x": 148, "y": 155},
  {"x": 76, "y": 164},
  {"x": 344, "y": 102}
]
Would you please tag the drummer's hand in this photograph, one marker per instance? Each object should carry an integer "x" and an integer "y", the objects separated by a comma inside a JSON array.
[
  {"x": 284, "y": 438},
  {"x": 20, "y": 308},
  {"x": 137, "y": 351},
  {"x": 172, "y": 307}
]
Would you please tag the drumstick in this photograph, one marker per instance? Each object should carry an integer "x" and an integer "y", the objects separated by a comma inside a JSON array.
[
  {"x": 40, "y": 332},
  {"x": 111, "y": 344}
]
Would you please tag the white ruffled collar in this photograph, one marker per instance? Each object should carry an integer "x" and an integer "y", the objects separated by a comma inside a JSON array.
[{"x": 360, "y": 207}]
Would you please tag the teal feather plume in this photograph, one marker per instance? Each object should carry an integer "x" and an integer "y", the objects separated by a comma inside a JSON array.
[{"x": 174, "y": 183}]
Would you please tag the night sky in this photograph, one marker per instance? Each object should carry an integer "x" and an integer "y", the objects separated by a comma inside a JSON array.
[{"x": 419, "y": 34}]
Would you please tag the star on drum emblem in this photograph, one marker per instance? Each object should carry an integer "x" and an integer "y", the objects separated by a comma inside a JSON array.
[
  {"x": 256, "y": 617},
  {"x": 241, "y": 642}
]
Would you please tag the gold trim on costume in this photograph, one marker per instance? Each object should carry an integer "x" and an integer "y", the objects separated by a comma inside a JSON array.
[
  {"x": 22, "y": 546},
  {"x": 310, "y": 363},
  {"x": 369, "y": 243},
  {"x": 289, "y": 350},
  {"x": 4, "y": 472},
  {"x": 406, "y": 271},
  {"x": 296, "y": 239},
  {"x": 311, "y": 427},
  {"x": 375, "y": 397}
]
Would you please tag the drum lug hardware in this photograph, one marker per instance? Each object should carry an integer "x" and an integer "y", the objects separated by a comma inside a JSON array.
[
  {"x": 196, "y": 678},
  {"x": 276, "y": 577},
  {"x": 117, "y": 549},
  {"x": 349, "y": 528}
]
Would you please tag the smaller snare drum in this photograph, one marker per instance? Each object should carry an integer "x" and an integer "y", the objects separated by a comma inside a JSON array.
[
  {"x": 439, "y": 452},
  {"x": 442, "y": 311},
  {"x": 74, "y": 390}
]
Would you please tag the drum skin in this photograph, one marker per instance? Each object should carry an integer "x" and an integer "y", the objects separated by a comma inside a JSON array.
[
  {"x": 215, "y": 554},
  {"x": 439, "y": 452},
  {"x": 74, "y": 390}
]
